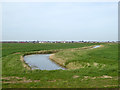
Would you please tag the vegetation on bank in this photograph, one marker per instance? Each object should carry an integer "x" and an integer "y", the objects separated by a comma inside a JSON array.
[
  {"x": 10, "y": 48},
  {"x": 89, "y": 68}
]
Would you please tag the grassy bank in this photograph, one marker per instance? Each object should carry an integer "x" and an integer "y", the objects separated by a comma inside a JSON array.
[
  {"x": 10, "y": 48},
  {"x": 89, "y": 68}
]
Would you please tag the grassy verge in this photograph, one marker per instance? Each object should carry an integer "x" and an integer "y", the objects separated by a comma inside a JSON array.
[
  {"x": 101, "y": 72},
  {"x": 67, "y": 58}
]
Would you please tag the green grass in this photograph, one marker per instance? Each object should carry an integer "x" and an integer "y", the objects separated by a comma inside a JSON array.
[
  {"x": 104, "y": 57},
  {"x": 9, "y": 48},
  {"x": 107, "y": 55}
]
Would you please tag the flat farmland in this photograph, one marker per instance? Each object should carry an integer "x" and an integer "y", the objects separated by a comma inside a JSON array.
[{"x": 86, "y": 67}]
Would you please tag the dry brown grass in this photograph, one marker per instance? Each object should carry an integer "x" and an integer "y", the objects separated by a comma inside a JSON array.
[
  {"x": 14, "y": 79},
  {"x": 24, "y": 64},
  {"x": 59, "y": 61}
]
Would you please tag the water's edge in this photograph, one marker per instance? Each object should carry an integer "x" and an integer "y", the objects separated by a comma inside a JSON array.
[
  {"x": 42, "y": 62},
  {"x": 52, "y": 52}
]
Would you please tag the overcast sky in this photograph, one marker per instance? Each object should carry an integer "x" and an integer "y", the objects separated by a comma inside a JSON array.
[{"x": 60, "y": 21}]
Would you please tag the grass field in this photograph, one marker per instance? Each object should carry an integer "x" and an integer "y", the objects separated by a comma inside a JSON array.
[{"x": 87, "y": 68}]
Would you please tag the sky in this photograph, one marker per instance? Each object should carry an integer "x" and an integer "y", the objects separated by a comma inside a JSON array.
[
  {"x": 59, "y": 0},
  {"x": 60, "y": 21}
]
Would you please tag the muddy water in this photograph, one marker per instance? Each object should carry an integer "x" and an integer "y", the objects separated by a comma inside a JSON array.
[{"x": 42, "y": 62}]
